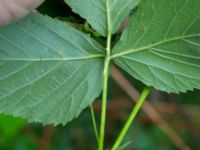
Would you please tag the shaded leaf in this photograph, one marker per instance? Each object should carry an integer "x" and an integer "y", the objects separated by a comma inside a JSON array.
[
  {"x": 161, "y": 46},
  {"x": 49, "y": 72},
  {"x": 98, "y": 12}
]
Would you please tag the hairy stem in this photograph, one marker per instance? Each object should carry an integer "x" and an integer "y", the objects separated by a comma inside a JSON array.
[
  {"x": 134, "y": 112},
  {"x": 94, "y": 123}
]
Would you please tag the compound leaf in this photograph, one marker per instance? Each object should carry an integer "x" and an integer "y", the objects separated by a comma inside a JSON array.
[
  {"x": 161, "y": 46},
  {"x": 103, "y": 13},
  {"x": 49, "y": 72}
]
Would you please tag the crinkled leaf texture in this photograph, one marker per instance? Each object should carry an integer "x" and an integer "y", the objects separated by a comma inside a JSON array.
[
  {"x": 49, "y": 72},
  {"x": 97, "y": 12},
  {"x": 161, "y": 46}
]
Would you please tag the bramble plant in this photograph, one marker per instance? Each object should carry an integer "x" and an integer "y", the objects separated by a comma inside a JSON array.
[{"x": 50, "y": 71}]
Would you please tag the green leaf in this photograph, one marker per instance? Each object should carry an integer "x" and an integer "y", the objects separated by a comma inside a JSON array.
[
  {"x": 103, "y": 13},
  {"x": 10, "y": 126},
  {"x": 161, "y": 46},
  {"x": 49, "y": 72}
]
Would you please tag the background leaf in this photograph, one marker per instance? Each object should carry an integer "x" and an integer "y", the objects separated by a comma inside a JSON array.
[
  {"x": 9, "y": 127},
  {"x": 49, "y": 72},
  {"x": 161, "y": 46},
  {"x": 97, "y": 11}
]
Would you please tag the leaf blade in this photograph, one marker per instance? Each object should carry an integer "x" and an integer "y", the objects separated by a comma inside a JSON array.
[
  {"x": 117, "y": 9},
  {"x": 166, "y": 43},
  {"x": 45, "y": 75}
]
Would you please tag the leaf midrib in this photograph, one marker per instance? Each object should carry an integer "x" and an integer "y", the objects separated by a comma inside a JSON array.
[
  {"x": 54, "y": 59},
  {"x": 129, "y": 51}
]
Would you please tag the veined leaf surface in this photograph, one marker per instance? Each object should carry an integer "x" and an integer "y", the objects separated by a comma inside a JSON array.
[
  {"x": 49, "y": 72},
  {"x": 103, "y": 13},
  {"x": 161, "y": 46}
]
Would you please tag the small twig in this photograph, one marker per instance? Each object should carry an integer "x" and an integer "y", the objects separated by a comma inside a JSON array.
[
  {"x": 46, "y": 138},
  {"x": 150, "y": 111},
  {"x": 162, "y": 108}
]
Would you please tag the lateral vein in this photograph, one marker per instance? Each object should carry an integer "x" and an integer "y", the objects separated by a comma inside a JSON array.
[{"x": 153, "y": 45}]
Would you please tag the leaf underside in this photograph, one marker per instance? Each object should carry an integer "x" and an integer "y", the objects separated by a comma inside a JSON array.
[
  {"x": 49, "y": 72},
  {"x": 161, "y": 46},
  {"x": 96, "y": 12}
]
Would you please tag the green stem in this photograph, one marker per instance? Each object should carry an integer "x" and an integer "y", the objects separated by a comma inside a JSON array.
[
  {"x": 134, "y": 112},
  {"x": 94, "y": 123},
  {"x": 104, "y": 101},
  {"x": 105, "y": 78}
]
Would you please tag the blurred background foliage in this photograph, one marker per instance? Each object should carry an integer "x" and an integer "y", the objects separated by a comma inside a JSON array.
[{"x": 181, "y": 112}]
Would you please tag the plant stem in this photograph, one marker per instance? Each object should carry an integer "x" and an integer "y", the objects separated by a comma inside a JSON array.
[
  {"x": 134, "y": 112},
  {"x": 105, "y": 77},
  {"x": 94, "y": 123},
  {"x": 104, "y": 101}
]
